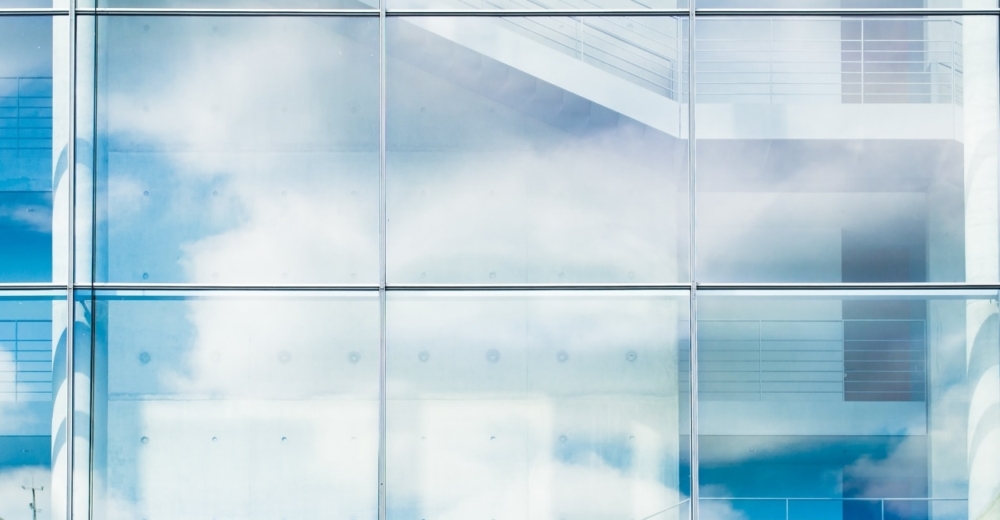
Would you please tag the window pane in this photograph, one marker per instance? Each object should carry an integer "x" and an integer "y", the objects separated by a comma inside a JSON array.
[
  {"x": 32, "y": 368},
  {"x": 236, "y": 405},
  {"x": 847, "y": 149},
  {"x": 512, "y": 158},
  {"x": 26, "y": 173},
  {"x": 868, "y": 406},
  {"x": 556, "y": 405},
  {"x": 237, "y": 150}
]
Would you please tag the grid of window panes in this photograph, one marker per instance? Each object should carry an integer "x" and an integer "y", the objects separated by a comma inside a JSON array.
[{"x": 500, "y": 259}]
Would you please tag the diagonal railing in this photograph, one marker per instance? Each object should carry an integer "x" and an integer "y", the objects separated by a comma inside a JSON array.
[
  {"x": 645, "y": 51},
  {"x": 766, "y": 61},
  {"x": 904, "y": 508}
]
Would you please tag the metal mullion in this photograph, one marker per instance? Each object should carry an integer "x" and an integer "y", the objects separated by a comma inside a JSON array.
[
  {"x": 815, "y": 83},
  {"x": 834, "y": 12},
  {"x": 954, "y": 93},
  {"x": 373, "y": 287},
  {"x": 692, "y": 268},
  {"x": 168, "y": 11},
  {"x": 43, "y": 286},
  {"x": 537, "y": 12},
  {"x": 705, "y": 12},
  {"x": 848, "y": 286},
  {"x": 71, "y": 269},
  {"x": 539, "y": 287},
  {"x": 721, "y": 287},
  {"x": 32, "y": 11},
  {"x": 749, "y": 12},
  {"x": 102, "y": 286},
  {"x": 94, "y": 312},
  {"x": 382, "y": 295}
]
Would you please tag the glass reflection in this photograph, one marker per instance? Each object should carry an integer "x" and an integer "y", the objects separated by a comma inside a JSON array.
[
  {"x": 854, "y": 150},
  {"x": 849, "y": 407},
  {"x": 32, "y": 346},
  {"x": 516, "y": 158},
  {"x": 26, "y": 173},
  {"x": 541, "y": 406},
  {"x": 237, "y": 150},
  {"x": 236, "y": 405}
]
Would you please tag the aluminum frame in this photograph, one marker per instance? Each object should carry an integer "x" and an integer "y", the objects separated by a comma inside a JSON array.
[
  {"x": 71, "y": 274},
  {"x": 701, "y": 287},
  {"x": 382, "y": 248},
  {"x": 691, "y": 12},
  {"x": 693, "y": 266}
]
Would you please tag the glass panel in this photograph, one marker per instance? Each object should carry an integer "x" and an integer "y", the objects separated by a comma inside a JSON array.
[
  {"x": 536, "y": 150},
  {"x": 537, "y": 406},
  {"x": 236, "y": 405},
  {"x": 32, "y": 369},
  {"x": 849, "y": 406},
  {"x": 237, "y": 150},
  {"x": 26, "y": 151},
  {"x": 847, "y": 150}
]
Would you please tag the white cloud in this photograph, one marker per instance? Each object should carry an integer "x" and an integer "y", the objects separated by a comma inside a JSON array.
[{"x": 15, "y": 500}]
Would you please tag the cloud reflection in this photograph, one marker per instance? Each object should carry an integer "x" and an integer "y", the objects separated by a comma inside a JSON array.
[{"x": 15, "y": 500}]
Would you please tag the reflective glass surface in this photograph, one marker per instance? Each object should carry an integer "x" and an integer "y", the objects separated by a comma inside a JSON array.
[
  {"x": 537, "y": 405},
  {"x": 237, "y": 150},
  {"x": 26, "y": 150},
  {"x": 542, "y": 161},
  {"x": 536, "y": 150},
  {"x": 849, "y": 406},
  {"x": 847, "y": 150},
  {"x": 32, "y": 371},
  {"x": 236, "y": 405}
]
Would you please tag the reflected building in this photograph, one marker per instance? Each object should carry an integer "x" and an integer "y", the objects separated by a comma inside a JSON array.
[{"x": 487, "y": 259}]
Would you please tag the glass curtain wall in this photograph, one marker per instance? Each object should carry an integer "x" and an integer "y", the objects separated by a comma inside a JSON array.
[{"x": 500, "y": 259}]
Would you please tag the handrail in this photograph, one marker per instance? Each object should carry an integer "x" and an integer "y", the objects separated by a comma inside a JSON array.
[
  {"x": 621, "y": 50},
  {"x": 821, "y": 359},
  {"x": 667, "y": 510},
  {"x": 773, "y": 68},
  {"x": 880, "y": 501},
  {"x": 26, "y": 114},
  {"x": 863, "y": 68},
  {"x": 31, "y": 373},
  {"x": 839, "y": 499}
]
